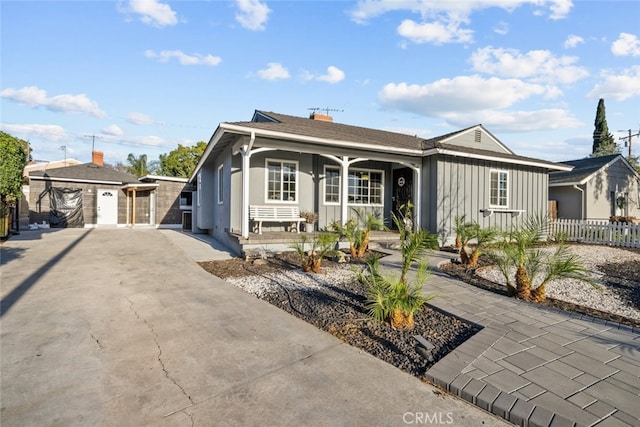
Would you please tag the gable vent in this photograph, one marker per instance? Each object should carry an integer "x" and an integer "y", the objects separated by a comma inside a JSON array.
[{"x": 478, "y": 136}]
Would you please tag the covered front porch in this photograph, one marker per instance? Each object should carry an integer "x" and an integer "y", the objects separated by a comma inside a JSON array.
[{"x": 270, "y": 242}]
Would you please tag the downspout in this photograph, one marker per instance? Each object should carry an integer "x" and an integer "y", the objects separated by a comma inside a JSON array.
[
  {"x": 246, "y": 157},
  {"x": 581, "y": 200}
]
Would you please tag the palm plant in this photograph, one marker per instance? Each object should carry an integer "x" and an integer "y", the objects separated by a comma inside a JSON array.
[
  {"x": 391, "y": 297},
  {"x": 521, "y": 240},
  {"x": 561, "y": 264},
  {"x": 458, "y": 224},
  {"x": 466, "y": 232},
  {"x": 357, "y": 231},
  {"x": 321, "y": 246}
]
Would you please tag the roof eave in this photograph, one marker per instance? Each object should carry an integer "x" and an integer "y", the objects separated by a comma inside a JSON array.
[
  {"x": 544, "y": 165},
  {"x": 247, "y": 130}
]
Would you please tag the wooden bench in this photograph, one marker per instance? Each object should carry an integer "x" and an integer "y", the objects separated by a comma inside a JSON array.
[{"x": 290, "y": 214}]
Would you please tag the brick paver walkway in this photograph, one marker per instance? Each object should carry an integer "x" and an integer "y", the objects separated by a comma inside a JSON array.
[{"x": 537, "y": 366}]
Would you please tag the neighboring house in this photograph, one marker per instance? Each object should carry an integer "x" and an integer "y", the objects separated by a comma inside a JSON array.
[
  {"x": 330, "y": 168},
  {"x": 104, "y": 196},
  {"x": 596, "y": 188}
]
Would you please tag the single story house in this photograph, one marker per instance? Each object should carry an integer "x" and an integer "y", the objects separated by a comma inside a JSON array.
[
  {"x": 314, "y": 164},
  {"x": 90, "y": 194},
  {"x": 596, "y": 189}
]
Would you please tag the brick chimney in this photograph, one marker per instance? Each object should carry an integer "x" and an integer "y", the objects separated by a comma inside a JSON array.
[
  {"x": 321, "y": 117},
  {"x": 97, "y": 157}
]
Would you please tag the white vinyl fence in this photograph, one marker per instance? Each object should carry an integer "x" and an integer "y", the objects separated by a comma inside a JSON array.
[{"x": 598, "y": 232}]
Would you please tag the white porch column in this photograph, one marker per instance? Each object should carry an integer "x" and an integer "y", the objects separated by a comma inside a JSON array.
[
  {"x": 344, "y": 184},
  {"x": 417, "y": 196},
  {"x": 246, "y": 157},
  {"x": 245, "y": 152}
]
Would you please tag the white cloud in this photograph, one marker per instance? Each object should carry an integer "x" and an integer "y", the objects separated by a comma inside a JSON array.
[
  {"x": 183, "y": 58},
  {"x": 462, "y": 93},
  {"x": 253, "y": 14},
  {"x": 434, "y": 32},
  {"x": 515, "y": 121},
  {"x": 112, "y": 130},
  {"x": 618, "y": 86},
  {"x": 466, "y": 100},
  {"x": 573, "y": 41},
  {"x": 626, "y": 45},
  {"x": 334, "y": 75},
  {"x": 442, "y": 20},
  {"x": 140, "y": 119},
  {"x": 66, "y": 103},
  {"x": 152, "y": 12},
  {"x": 536, "y": 64},
  {"x": 274, "y": 71},
  {"x": 502, "y": 28},
  {"x": 52, "y": 133}
]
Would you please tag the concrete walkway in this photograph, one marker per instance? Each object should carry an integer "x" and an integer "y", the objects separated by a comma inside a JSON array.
[
  {"x": 535, "y": 365},
  {"x": 118, "y": 327}
]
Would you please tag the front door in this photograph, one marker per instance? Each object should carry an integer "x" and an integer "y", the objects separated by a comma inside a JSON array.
[
  {"x": 402, "y": 189},
  {"x": 108, "y": 207}
]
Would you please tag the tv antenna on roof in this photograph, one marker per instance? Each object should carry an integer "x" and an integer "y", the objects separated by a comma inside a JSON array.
[
  {"x": 93, "y": 141},
  {"x": 325, "y": 110}
]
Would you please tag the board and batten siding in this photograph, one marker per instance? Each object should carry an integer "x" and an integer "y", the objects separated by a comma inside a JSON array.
[{"x": 462, "y": 187}]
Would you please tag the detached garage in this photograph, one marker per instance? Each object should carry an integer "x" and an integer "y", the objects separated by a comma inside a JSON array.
[{"x": 91, "y": 194}]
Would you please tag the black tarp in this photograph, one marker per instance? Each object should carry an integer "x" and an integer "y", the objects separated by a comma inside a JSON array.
[{"x": 65, "y": 208}]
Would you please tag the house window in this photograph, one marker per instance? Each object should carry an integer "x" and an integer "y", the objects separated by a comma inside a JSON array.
[
  {"x": 282, "y": 179},
  {"x": 331, "y": 185},
  {"x": 499, "y": 188},
  {"x": 220, "y": 184},
  {"x": 365, "y": 187},
  {"x": 186, "y": 198}
]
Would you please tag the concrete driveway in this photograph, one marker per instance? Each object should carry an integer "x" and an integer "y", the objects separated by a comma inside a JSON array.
[{"x": 120, "y": 327}]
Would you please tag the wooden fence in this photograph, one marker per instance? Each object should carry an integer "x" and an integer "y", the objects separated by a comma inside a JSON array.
[{"x": 598, "y": 232}]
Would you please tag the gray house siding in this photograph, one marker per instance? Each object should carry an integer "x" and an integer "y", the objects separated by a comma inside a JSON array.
[
  {"x": 569, "y": 201},
  {"x": 463, "y": 187}
]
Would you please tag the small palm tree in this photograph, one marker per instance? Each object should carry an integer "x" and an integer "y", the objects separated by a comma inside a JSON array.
[
  {"x": 561, "y": 264},
  {"x": 357, "y": 231},
  {"x": 321, "y": 246},
  {"x": 458, "y": 224},
  {"x": 483, "y": 237},
  {"x": 391, "y": 297}
]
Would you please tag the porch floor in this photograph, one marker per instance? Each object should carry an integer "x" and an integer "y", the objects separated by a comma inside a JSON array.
[{"x": 281, "y": 240}]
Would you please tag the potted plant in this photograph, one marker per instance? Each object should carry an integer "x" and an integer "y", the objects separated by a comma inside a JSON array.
[{"x": 310, "y": 219}]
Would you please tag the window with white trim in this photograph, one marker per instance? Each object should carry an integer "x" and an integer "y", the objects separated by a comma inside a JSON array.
[
  {"x": 499, "y": 189},
  {"x": 365, "y": 187},
  {"x": 331, "y": 185},
  {"x": 282, "y": 181},
  {"x": 220, "y": 184}
]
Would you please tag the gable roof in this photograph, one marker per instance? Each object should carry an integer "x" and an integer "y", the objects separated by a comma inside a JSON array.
[
  {"x": 85, "y": 172},
  {"x": 585, "y": 169},
  {"x": 281, "y": 126}
]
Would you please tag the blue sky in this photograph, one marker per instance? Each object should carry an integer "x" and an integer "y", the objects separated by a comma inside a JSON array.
[{"x": 146, "y": 75}]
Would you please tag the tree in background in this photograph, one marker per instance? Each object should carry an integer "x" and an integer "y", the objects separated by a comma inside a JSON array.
[
  {"x": 14, "y": 154},
  {"x": 182, "y": 161},
  {"x": 139, "y": 166},
  {"x": 603, "y": 142}
]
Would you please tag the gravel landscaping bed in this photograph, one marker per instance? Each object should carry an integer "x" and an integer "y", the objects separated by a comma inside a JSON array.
[
  {"x": 615, "y": 270},
  {"x": 334, "y": 300}
]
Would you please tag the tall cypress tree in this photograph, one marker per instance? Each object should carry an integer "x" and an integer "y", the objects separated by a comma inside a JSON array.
[{"x": 603, "y": 142}]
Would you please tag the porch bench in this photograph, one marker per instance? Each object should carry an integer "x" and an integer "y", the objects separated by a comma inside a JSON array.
[{"x": 290, "y": 214}]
